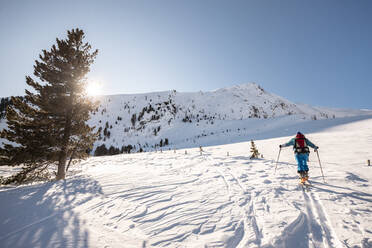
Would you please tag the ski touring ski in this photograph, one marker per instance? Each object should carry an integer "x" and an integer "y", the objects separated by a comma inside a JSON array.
[{"x": 306, "y": 185}]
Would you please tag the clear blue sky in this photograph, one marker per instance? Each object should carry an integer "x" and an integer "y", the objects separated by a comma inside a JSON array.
[{"x": 317, "y": 52}]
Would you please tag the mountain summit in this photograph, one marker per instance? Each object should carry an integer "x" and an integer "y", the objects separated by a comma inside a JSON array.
[{"x": 136, "y": 122}]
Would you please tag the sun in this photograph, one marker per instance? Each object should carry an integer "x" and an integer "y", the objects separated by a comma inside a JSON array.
[{"x": 93, "y": 88}]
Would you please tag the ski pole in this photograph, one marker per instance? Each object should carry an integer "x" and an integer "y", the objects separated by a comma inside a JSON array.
[
  {"x": 277, "y": 160},
  {"x": 320, "y": 165}
]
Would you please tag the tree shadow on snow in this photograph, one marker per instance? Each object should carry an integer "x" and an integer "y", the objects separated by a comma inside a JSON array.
[{"x": 43, "y": 215}]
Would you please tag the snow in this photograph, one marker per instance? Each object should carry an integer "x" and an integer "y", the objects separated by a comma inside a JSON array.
[
  {"x": 168, "y": 199},
  {"x": 2, "y": 126},
  {"x": 244, "y": 109},
  {"x": 226, "y": 115}
]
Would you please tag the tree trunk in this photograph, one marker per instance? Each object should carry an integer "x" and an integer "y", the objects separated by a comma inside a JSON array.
[
  {"x": 72, "y": 156},
  {"x": 61, "y": 173}
]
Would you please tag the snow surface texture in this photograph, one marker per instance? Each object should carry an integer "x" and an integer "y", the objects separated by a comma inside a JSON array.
[
  {"x": 185, "y": 119},
  {"x": 188, "y": 199}
]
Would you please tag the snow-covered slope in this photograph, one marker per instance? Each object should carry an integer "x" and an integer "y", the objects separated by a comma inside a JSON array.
[
  {"x": 147, "y": 121},
  {"x": 170, "y": 119},
  {"x": 213, "y": 199}
]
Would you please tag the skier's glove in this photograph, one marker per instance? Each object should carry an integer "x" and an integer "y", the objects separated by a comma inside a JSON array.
[
  {"x": 316, "y": 149},
  {"x": 280, "y": 146}
]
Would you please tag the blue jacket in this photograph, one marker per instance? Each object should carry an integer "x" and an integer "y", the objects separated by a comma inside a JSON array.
[{"x": 292, "y": 143}]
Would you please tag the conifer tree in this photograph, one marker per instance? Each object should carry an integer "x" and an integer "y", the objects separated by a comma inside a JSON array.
[
  {"x": 254, "y": 150},
  {"x": 49, "y": 125}
]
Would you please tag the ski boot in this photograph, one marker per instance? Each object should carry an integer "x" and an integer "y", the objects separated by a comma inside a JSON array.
[{"x": 303, "y": 176}]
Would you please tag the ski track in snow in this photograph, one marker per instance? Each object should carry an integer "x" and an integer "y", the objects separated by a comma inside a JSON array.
[{"x": 167, "y": 199}]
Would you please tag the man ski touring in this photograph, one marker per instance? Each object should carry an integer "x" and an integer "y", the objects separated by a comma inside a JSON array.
[{"x": 301, "y": 148}]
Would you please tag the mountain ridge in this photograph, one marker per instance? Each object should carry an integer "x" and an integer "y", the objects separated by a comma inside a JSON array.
[
  {"x": 172, "y": 119},
  {"x": 145, "y": 120}
]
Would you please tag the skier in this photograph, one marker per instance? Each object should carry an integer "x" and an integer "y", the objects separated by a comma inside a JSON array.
[{"x": 300, "y": 146}]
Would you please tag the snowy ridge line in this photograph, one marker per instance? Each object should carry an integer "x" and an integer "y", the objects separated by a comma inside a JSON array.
[
  {"x": 151, "y": 121},
  {"x": 144, "y": 121}
]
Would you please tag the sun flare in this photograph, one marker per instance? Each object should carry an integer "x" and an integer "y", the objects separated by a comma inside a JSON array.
[{"x": 93, "y": 88}]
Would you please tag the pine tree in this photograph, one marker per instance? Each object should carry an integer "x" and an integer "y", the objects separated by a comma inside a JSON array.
[
  {"x": 254, "y": 151},
  {"x": 49, "y": 125}
]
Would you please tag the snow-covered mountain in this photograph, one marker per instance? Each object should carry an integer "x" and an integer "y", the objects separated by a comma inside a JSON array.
[
  {"x": 171, "y": 119},
  {"x": 214, "y": 198},
  {"x": 174, "y": 119}
]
